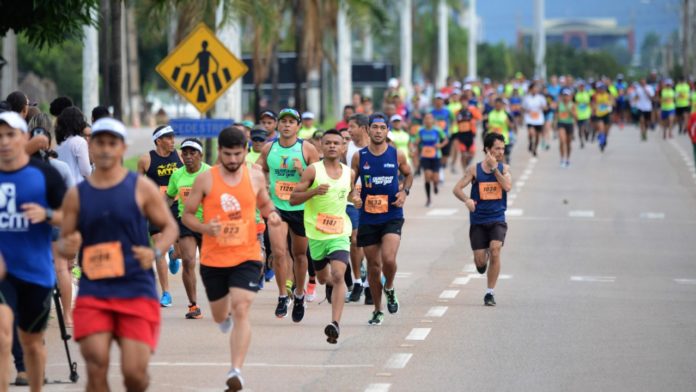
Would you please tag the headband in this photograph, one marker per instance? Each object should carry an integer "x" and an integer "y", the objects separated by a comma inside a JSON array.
[
  {"x": 164, "y": 131},
  {"x": 192, "y": 144}
]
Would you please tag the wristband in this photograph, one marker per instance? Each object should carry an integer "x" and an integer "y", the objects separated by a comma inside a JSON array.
[
  {"x": 49, "y": 215},
  {"x": 158, "y": 253}
]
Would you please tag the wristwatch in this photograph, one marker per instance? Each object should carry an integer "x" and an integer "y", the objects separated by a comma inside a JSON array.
[
  {"x": 49, "y": 215},
  {"x": 158, "y": 253},
  {"x": 407, "y": 191}
]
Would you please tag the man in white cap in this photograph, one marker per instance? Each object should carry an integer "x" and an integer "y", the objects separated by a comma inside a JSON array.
[
  {"x": 307, "y": 129},
  {"x": 31, "y": 193}
]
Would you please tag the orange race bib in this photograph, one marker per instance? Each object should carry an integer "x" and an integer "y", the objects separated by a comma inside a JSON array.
[
  {"x": 103, "y": 261},
  {"x": 442, "y": 124},
  {"x": 233, "y": 233},
  {"x": 283, "y": 189},
  {"x": 534, "y": 115},
  {"x": 429, "y": 152},
  {"x": 184, "y": 193},
  {"x": 563, "y": 115},
  {"x": 414, "y": 129},
  {"x": 490, "y": 191},
  {"x": 329, "y": 224},
  {"x": 497, "y": 130},
  {"x": 377, "y": 204}
]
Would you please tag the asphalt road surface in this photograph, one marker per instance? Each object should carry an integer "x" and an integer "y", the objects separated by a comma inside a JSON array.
[{"x": 597, "y": 293}]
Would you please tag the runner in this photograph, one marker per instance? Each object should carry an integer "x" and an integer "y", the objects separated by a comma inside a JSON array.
[
  {"x": 399, "y": 136},
  {"x": 443, "y": 119},
  {"x": 466, "y": 119},
  {"x": 106, "y": 221},
  {"x": 691, "y": 130},
  {"x": 158, "y": 165},
  {"x": 566, "y": 120},
  {"x": 430, "y": 141},
  {"x": 583, "y": 112},
  {"x": 324, "y": 189},
  {"x": 180, "y": 184},
  {"x": 602, "y": 104},
  {"x": 642, "y": 100},
  {"x": 683, "y": 91},
  {"x": 269, "y": 121},
  {"x": 500, "y": 121},
  {"x": 259, "y": 135},
  {"x": 381, "y": 217},
  {"x": 667, "y": 108},
  {"x": 307, "y": 129},
  {"x": 31, "y": 193},
  {"x": 534, "y": 105},
  {"x": 490, "y": 182},
  {"x": 284, "y": 160},
  {"x": 230, "y": 193},
  {"x": 357, "y": 125}
]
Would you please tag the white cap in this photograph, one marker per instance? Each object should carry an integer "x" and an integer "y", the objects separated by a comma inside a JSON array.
[
  {"x": 440, "y": 96},
  {"x": 308, "y": 116},
  {"x": 395, "y": 117},
  {"x": 14, "y": 120},
  {"x": 390, "y": 135},
  {"x": 109, "y": 125},
  {"x": 393, "y": 83},
  {"x": 457, "y": 84},
  {"x": 467, "y": 87},
  {"x": 469, "y": 79},
  {"x": 164, "y": 131}
]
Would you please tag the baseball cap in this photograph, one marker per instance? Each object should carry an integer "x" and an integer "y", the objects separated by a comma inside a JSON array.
[
  {"x": 109, "y": 125},
  {"x": 440, "y": 96},
  {"x": 566, "y": 91},
  {"x": 308, "y": 116},
  {"x": 464, "y": 115},
  {"x": 248, "y": 124},
  {"x": 259, "y": 133},
  {"x": 467, "y": 87},
  {"x": 268, "y": 113},
  {"x": 457, "y": 84},
  {"x": 290, "y": 112},
  {"x": 168, "y": 130},
  {"x": 395, "y": 117},
  {"x": 192, "y": 143},
  {"x": 14, "y": 120}
]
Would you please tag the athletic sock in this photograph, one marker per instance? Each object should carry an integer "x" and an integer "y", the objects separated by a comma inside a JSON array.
[
  {"x": 489, "y": 291},
  {"x": 427, "y": 189}
]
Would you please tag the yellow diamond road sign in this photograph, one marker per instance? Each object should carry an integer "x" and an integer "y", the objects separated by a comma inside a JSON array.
[{"x": 201, "y": 68}]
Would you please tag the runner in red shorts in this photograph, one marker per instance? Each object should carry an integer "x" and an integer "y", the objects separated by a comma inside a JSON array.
[{"x": 106, "y": 220}]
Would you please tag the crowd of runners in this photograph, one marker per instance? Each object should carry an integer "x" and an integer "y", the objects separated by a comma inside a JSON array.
[{"x": 283, "y": 201}]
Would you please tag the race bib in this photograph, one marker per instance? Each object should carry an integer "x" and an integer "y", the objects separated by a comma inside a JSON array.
[
  {"x": 283, "y": 189},
  {"x": 582, "y": 106},
  {"x": 184, "y": 193},
  {"x": 603, "y": 108},
  {"x": 490, "y": 191},
  {"x": 329, "y": 224},
  {"x": 233, "y": 233},
  {"x": 377, "y": 204},
  {"x": 103, "y": 261},
  {"x": 682, "y": 95},
  {"x": 442, "y": 124},
  {"x": 515, "y": 107},
  {"x": 429, "y": 152},
  {"x": 667, "y": 101},
  {"x": 497, "y": 130},
  {"x": 534, "y": 115},
  {"x": 414, "y": 128},
  {"x": 465, "y": 126},
  {"x": 563, "y": 115}
]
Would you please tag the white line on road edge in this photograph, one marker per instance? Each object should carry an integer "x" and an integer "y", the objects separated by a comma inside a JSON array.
[
  {"x": 652, "y": 215},
  {"x": 462, "y": 280},
  {"x": 442, "y": 212},
  {"x": 403, "y": 274},
  {"x": 519, "y": 184},
  {"x": 418, "y": 334},
  {"x": 436, "y": 311},
  {"x": 479, "y": 276},
  {"x": 514, "y": 212},
  {"x": 256, "y": 364},
  {"x": 593, "y": 279},
  {"x": 398, "y": 361},
  {"x": 449, "y": 294},
  {"x": 581, "y": 214},
  {"x": 469, "y": 268},
  {"x": 685, "y": 281},
  {"x": 378, "y": 387}
]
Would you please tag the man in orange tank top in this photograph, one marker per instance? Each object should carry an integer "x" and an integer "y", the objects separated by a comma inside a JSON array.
[{"x": 231, "y": 256}]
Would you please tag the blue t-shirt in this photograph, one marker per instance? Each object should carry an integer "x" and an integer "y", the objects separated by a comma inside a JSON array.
[
  {"x": 428, "y": 139},
  {"x": 489, "y": 196},
  {"x": 26, "y": 247},
  {"x": 442, "y": 119},
  {"x": 555, "y": 91}
]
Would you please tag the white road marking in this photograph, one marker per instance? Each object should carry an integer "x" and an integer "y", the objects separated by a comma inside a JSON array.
[
  {"x": 418, "y": 334},
  {"x": 524, "y": 177},
  {"x": 652, "y": 215},
  {"x": 469, "y": 268},
  {"x": 378, "y": 387},
  {"x": 442, "y": 212},
  {"x": 581, "y": 214},
  {"x": 403, "y": 274},
  {"x": 398, "y": 361},
  {"x": 685, "y": 281},
  {"x": 479, "y": 276},
  {"x": 257, "y": 364},
  {"x": 519, "y": 184},
  {"x": 436, "y": 311},
  {"x": 449, "y": 294},
  {"x": 514, "y": 212},
  {"x": 593, "y": 279},
  {"x": 462, "y": 280}
]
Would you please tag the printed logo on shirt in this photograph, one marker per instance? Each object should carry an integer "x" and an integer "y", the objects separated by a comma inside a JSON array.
[
  {"x": 166, "y": 170},
  {"x": 231, "y": 206},
  {"x": 283, "y": 161},
  {"x": 389, "y": 165},
  {"x": 10, "y": 218},
  {"x": 382, "y": 180}
]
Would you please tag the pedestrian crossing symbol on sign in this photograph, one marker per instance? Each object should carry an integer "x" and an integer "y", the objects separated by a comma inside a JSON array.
[{"x": 201, "y": 68}]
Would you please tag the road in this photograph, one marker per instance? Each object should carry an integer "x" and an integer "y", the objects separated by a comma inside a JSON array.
[{"x": 598, "y": 293}]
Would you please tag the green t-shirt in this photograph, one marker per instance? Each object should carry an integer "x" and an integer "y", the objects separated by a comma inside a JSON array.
[
  {"x": 306, "y": 133},
  {"x": 565, "y": 113},
  {"x": 667, "y": 99},
  {"x": 583, "y": 109},
  {"x": 401, "y": 140},
  {"x": 683, "y": 91},
  {"x": 180, "y": 184},
  {"x": 282, "y": 174},
  {"x": 252, "y": 156},
  {"x": 333, "y": 222},
  {"x": 498, "y": 122}
]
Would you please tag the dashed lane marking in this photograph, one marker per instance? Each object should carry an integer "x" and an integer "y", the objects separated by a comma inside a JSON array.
[
  {"x": 593, "y": 279},
  {"x": 449, "y": 294},
  {"x": 418, "y": 334},
  {"x": 581, "y": 214},
  {"x": 378, "y": 387},
  {"x": 436, "y": 311},
  {"x": 514, "y": 212},
  {"x": 442, "y": 212},
  {"x": 652, "y": 215},
  {"x": 398, "y": 361},
  {"x": 685, "y": 281}
]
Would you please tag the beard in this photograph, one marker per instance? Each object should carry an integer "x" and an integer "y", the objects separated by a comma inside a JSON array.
[{"x": 231, "y": 167}]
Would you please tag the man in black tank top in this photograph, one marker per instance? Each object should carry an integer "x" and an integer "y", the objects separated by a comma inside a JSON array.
[{"x": 158, "y": 165}]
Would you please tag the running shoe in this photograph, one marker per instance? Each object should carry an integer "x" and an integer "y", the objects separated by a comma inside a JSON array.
[
  {"x": 298, "y": 309},
  {"x": 194, "y": 312},
  {"x": 329, "y": 292},
  {"x": 282, "y": 308},
  {"x": 76, "y": 272},
  {"x": 332, "y": 331},
  {"x": 356, "y": 292},
  {"x": 377, "y": 318},
  {"x": 368, "y": 297},
  {"x": 234, "y": 381},
  {"x": 166, "y": 300},
  {"x": 268, "y": 274},
  {"x": 226, "y": 325},
  {"x": 392, "y": 301},
  {"x": 174, "y": 264},
  {"x": 489, "y": 300},
  {"x": 311, "y": 292}
]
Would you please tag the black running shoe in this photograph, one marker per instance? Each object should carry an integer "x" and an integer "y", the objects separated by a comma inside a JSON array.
[
  {"x": 392, "y": 301},
  {"x": 282, "y": 308},
  {"x": 489, "y": 300},
  {"x": 368, "y": 297},
  {"x": 332, "y": 332},
  {"x": 435, "y": 188},
  {"x": 329, "y": 292},
  {"x": 377, "y": 318},
  {"x": 298, "y": 309},
  {"x": 481, "y": 270},
  {"x": 356, "y": 292}
]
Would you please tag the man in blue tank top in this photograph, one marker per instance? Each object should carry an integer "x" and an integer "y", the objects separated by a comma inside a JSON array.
[
  {"x": 490, "y": 182},
  {"x": 381, "y": 211},
  {"x": 158, "y": 165},
  {"x": 105, "y": 220},
  {"x": 31, "y": 192}
]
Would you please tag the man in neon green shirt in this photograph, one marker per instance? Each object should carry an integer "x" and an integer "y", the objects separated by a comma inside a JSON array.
[
  {"x": 683, "y": 92},
  {"x": 307, "y": 129},
  {"x": 324, "y": 189},
  {"x": 668, "y": 108},
  {"x": 180, "y": 184},
  {"x": 258, "y": 139},
  {"x": 583, "y": 112},
  {"x": 399, "y": 136}
]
